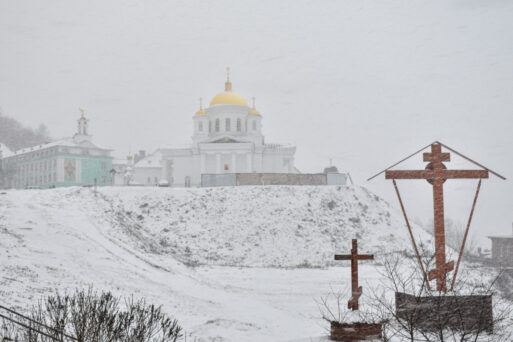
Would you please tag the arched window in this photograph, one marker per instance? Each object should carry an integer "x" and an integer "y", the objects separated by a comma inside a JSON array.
[
  {"x": 217, "y": 125},
  {"x": 227, "y": 124},
  {"x": 200, "y": 126},
  {"x": 187, "y": 182},
  {"x": 239, "y": 125},
  {"x": 210, "y": 127},
  {"x": 254, "y": 125}
]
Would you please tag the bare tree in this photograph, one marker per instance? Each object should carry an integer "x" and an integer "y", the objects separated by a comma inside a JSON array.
[
  {"x": 467, "y": 313},
  {"x": 449, "y": 315},
  {"x": 89, "y": 316},
  {"x": 17, "y": 136}
]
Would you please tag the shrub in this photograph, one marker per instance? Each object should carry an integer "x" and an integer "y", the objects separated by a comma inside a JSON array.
[{"x": 90, "y": 316}]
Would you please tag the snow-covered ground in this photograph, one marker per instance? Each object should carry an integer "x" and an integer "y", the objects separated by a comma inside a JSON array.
[{"x": 249, "y": 247}]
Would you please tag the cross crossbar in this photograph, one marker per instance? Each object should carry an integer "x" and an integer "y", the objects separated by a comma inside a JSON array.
[
  {"x": 429, "y": 157},
  {"x": 430, "y": 174},
  {"x": 351, "y": 257}
]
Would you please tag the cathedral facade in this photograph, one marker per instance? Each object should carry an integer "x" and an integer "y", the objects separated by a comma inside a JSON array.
[{"x": 227, "y": 138}]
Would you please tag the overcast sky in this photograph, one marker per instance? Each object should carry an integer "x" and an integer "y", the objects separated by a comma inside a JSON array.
[{"x": 362, "y": 82}]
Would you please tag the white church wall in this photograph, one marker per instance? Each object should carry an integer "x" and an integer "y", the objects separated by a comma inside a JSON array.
[
  {"x": 280, "y": 160},
  {"x": 182, "y": 168},
  {"x": 210, "y": 163},
  {"x": 147, "y": 176},
  {"x": 195, "y": 172},
  {"x": 119, "y": 179},
  {"x": 272, "y": 162},
  {"x": 258, "y": 162}
]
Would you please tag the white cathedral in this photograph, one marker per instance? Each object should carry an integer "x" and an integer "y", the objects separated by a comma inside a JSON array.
[{"x": 227, "y": 138}]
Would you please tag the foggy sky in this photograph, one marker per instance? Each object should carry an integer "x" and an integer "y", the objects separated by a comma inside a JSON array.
[{"x": 362, "y": 82}]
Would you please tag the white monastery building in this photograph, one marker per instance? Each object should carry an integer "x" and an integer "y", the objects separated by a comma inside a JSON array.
[
  {"x": 73, "y": 161},
  {"x": 227, "y": 138}
]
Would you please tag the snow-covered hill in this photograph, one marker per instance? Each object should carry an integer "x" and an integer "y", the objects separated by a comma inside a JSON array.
[
  {"x": 257, "y": 226},
  {"x": 142, "y": 241},
  {"x": 247, "y": 226}
]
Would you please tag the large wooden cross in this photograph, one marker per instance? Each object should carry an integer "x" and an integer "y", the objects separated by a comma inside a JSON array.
[
  {"x": 354, "y": 257},
  {"x": 436, "y": 174}
]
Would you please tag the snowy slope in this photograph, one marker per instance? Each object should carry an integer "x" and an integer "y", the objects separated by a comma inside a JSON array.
[
  {"x": 67, "y": 238},
  {"x": 249, "y": 226}
]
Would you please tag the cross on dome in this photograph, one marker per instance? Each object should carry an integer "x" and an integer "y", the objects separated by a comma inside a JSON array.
[
  {"x": 228, "y": 96},
  {"x": 201, "y": 110},
  {"x": 253, "y": 110},
  {"x": 228, "y": 84}
]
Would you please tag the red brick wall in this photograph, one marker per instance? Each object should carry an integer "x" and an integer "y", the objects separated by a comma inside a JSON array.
[{"x": 355, "y": 331}]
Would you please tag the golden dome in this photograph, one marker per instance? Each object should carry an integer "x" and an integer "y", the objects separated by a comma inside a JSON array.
[{"x": 228, "y": 97}]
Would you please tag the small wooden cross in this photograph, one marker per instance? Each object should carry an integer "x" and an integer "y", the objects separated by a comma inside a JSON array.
[{"x": 354, "y": 257}]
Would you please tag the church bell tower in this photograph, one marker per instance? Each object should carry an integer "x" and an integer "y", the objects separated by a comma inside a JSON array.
[{"x": 82, "y": 132}]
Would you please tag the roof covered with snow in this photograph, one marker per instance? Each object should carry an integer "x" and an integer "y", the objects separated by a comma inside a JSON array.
[
  {"x": 151, "y": 161},
  {"x": 66, "y": 142},
  {"x": 4, "y": 151}
]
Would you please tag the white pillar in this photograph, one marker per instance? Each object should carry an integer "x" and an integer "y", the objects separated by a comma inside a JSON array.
[
  {"x": 249, "y": 162},
  {"x": 163, "y": 174},
  {"x": 202, "y": 163},
  {"x": 170, "y": 174},
  {"x": 234, "y": 162},
  {"x": 218, "y": 163}
]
